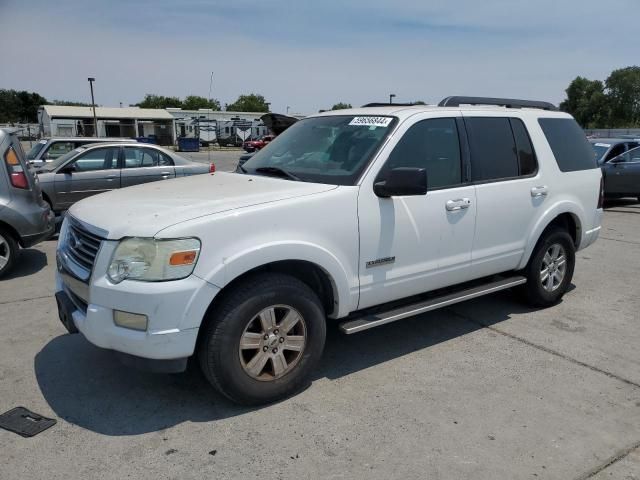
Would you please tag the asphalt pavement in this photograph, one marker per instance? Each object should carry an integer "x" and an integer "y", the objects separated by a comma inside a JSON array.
[{"x": 488, "y": 389}]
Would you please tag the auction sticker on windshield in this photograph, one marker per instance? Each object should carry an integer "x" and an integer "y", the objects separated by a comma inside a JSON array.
[{"x": 371, "y": 121}]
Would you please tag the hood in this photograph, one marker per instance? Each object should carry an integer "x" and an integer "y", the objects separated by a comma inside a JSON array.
[{"x": 146, "y": 209}]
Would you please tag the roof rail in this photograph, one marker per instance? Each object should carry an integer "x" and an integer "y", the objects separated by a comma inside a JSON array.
[
  {"x": 388, "y": 105},
  {"x": 503, "y": 102}
]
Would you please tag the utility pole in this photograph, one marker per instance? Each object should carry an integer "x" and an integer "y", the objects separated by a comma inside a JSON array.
[
  {"x": 288, "y": 109},
  {"x": 93, "y": 105},
  {"x": 391, "y": 96},
  {"x": 268, "y": 105}
]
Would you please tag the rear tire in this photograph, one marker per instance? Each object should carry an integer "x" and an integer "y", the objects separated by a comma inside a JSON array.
[
  {"x": 8, "y": 251},
  {"x": 263, "y": 339},
  {"x": 550, "y": 269}
]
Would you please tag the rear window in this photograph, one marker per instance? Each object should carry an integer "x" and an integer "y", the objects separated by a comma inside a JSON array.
[
  {"x": 493, "y": 148},
  {"x": 568, "y": 143}
]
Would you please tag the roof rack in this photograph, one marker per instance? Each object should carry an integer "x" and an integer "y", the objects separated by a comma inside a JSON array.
[
  {"x": 503, "y": 102},
  {"x": 388, "y": 105}
]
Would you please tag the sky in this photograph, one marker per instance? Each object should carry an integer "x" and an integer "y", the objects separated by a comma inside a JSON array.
[{"x": 309, "y": 55}]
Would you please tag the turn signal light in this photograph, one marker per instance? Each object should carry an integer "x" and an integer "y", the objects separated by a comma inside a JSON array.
[
  {"x": 16, "y": 172},
  {"x": 183, "y": 258}
]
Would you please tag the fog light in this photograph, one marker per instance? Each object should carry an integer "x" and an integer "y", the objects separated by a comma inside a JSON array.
[{"x": 134, "y": 321}]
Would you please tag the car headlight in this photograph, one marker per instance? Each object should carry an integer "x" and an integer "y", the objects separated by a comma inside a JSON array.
[{"x": 153, "y": 260}]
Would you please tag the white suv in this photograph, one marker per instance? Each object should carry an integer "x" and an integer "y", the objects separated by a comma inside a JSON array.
[{"x": 364, "y": 216}]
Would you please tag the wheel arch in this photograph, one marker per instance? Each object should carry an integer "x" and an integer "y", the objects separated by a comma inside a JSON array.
[
  {"x": 567, "y": 217},
  {"x": 12, "y": 231}
]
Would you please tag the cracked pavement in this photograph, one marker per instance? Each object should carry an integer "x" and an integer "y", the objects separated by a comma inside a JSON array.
[{"x": 487, "y": 389}]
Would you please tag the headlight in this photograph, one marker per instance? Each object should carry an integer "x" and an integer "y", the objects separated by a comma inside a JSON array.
[{"x": 154, "y": 260}]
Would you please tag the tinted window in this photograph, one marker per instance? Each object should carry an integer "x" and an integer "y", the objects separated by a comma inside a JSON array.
[
  {"x": 568, "y": 143},
  {"x": 97, "y": 159},
  {"x": 431, "y": 144},
  {"x": 144, "y": 157},
  {"x": 493, "y": 149},
  {"x": 615, "y": 151},
  {"x": 526, "y": 155}
]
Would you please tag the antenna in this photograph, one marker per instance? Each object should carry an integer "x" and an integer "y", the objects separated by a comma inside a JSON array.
[{"x": 209, "y": 114}]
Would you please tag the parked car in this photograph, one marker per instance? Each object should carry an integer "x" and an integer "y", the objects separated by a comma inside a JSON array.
[
  {"x": 622, "y": 175},
  {"x": 253, "y": 145},
  {"x": 604, "y": 149},
  {"x": 48, "y": 149},
  {"x": 93, "y": 169},
  {"x": 25, "y": 219},
  {"x": 362, "y": 216}
]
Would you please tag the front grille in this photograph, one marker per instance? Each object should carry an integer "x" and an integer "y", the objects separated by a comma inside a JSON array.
[{"x": 82, "y": 246}]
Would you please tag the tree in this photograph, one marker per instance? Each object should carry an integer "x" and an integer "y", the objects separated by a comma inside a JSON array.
[
  {"x": 341, "y": 106},
  {"x": 623, "y": 92},
  {"x": 587, "y": 102},
  {"x": 248, "y": 103},
  {"x": 69, "y": 103},
  {"x": 194, "y": 102},
  {"x": 19, "y": 106},
  {"x": 159, "y": 101},
  {"x": 418, "y": 102}
]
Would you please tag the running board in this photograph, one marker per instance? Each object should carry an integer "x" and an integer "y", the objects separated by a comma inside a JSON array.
[{"x": 367, "y": 321}]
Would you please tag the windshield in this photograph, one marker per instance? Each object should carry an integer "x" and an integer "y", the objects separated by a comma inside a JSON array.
[
  {"x": 333, "y": 149},
  {"x": 599, "y": 150},
  {"x": 61, "y": 160},
  {"x": 35, "y": 150}
]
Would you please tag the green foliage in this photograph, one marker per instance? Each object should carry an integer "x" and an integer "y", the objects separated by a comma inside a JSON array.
[
  {"x": 418, "y": 102},
  {"x": 69, "y": 103},
  {"x": 194, "y": 102},
  {"x": 612, "y": 104},
  {"x": 248, "y": 103},
  {"x": 159, "y": 101},
  {"x": 341, "y": 106},
  {"x": 19, "y": 106}
]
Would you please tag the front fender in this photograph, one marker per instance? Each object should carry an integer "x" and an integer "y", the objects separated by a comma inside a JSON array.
[
  {"x": 236, "y": 265},
  {"x": 565, "y": 206}
]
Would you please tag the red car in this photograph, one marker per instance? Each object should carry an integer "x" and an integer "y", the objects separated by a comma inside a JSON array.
[{"x": 254, "y": 145}]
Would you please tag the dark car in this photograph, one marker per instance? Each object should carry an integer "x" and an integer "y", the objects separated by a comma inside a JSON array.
[
  {"x": 622, "y": 175},
  {"x": 99, "y": 168},
  {"x": 604, "y": 149},
  {"x": 25, "y": 218}
]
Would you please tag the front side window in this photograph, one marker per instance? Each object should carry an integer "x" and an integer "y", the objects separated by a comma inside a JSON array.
[
  {"x": 97, "y": 159},
  {"x": 493, "y": 148},
  {"x": 331, "y": 149},
  {"x": 433, "y": 145}
]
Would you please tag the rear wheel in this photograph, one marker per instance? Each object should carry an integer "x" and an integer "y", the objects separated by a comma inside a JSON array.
[
  {"x": 550, "y": 268},
  {"x": 263, "y": 339},
  {"x": 8, "y": 251}
]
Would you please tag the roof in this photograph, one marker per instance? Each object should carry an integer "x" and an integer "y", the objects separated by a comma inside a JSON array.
[
  {"x": 612, "y": 141},
  {"x": 61, "y": 111}
]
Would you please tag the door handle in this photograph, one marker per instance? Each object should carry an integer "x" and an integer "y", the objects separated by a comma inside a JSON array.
[
  {"x": 541, "y": 191},
  {"x": 165, "y": 173},
  {"x": 112, "y": 176},
  {"x": 458, "y": 204}
]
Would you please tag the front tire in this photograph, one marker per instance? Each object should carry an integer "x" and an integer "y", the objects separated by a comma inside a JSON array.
[
  {"x": 550, "y": 269},
  {"x": 8, "y": 251},
  {"x": 263, "y": 339}
]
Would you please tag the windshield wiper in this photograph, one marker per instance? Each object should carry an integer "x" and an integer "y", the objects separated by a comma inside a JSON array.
[{"x": 279, "y": 172}]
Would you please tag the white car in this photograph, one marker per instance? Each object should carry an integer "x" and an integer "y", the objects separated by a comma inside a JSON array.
[{"x": 362, "y": 216}]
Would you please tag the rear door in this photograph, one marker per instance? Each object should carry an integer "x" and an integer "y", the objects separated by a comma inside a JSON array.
[
  {"x": 145, "y": 164},
  {"x": 510, "y": 194},
  {"x": 92, "y": 172},
  {"x": 622, "y": 173}
]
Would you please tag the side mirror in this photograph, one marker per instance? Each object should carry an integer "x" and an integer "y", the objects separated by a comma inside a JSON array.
[
  {"x": 402, "y": 181},
  {"x": 69, "y": 168}
]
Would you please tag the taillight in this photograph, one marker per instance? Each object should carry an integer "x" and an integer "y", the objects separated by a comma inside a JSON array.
[
  {"x": 212, "y": 167},
  {"x": 601, "y": 197},
  {"x": 16, "y": 172}
]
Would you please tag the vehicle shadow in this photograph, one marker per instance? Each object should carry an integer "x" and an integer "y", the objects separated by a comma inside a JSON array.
[
  {"x": 88, "y": 387},
  {"x": 610, "y": 203},
  {"x": 28, "y": 262}
]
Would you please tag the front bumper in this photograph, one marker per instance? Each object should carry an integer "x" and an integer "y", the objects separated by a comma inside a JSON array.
[{"x": 174, "y": 309}]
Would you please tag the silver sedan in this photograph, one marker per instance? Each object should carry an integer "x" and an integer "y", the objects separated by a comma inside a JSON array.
[{"x": 94, "y": 169}]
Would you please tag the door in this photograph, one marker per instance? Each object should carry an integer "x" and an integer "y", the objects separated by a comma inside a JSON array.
[
  {"x": 510, "y": 194},
  {"x": 145, "y": 164},
  {"x": 413, "y": 244},
  {"x": 92, "y": 172},
  {"x": 622, "y": 174}
]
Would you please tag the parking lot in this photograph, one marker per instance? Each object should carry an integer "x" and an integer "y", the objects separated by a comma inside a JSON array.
[{"x": 485, "y": 389}]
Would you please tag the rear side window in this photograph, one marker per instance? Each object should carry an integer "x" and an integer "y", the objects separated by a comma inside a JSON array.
[
  {"x": 493, "y": 148},
  {"x": 526, "y": 155},
  {"x": 568, "y": 143}
]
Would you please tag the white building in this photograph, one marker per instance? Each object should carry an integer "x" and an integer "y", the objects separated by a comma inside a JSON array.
[{"x": 56, "y": 120}]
